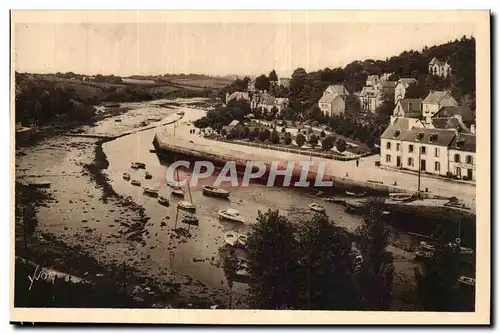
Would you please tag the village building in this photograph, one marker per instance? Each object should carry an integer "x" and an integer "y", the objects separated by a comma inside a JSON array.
[
  {"x": 439, "y": 68},
  {"x": 285, "y": 82},
  {"x": 462, "y": 157},
  {"x": 237, "y": 96},
  {"x": 454, "y": 122},
  {"x": 409, "y": 108},
  {"x": 464, "y": 111},
  {"x": 436, "y": 100},
  {"x": 370, "y": 99},
  {"x": 408, "y": 143},
  {"x": 251, "y": 85},
  {"x": 267, "y": 102},
  {"x": 235, "y": 124},
  {"x": 401, "y": 86},
  {"x": 333, "y": 101}
]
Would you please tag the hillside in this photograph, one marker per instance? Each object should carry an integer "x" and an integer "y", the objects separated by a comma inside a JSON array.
[{"x": 45, "y": 99}]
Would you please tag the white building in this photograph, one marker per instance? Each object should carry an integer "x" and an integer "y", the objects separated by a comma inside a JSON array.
[
  {"x": 408, "y": 144},
  {"x": 333, "y": 101},
  {"x": 401, "y": 86},
  {"x": 439, "y": 68},
  {"x": 462, "y": 156}
]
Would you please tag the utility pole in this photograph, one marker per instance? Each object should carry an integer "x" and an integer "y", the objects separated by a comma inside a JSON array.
[{"x": 419, "y": 167}]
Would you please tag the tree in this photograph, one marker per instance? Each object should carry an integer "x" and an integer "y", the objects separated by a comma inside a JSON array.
[
  {"x": 327, "y": 143},
  {"x": 246, "y": 132},
  {"x": 223, "y": 132},
  {"x": 264, "y": 135},
  {"x": 253, "y": 134},
  {"x": 436, "y": 280},
  {"x": 300, "y": 140},
  {"x": 273, "y": 77},
  {"x": 376, "y": 273},
  {"x": 322, "y": 134},
  {"x": 326, "y": 266},
  {"x": 272, "y": 262},
  {"x": 262, "y": 83},
  {"x": 341, "y": 145},
  {"x": 275, "y": 137},
  {"x": 287, "y": 139},
  {"x": 313, "y": 141}
]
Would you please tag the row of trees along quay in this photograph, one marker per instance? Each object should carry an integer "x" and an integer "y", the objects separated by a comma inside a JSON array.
[{"x": 310, "y": 265}]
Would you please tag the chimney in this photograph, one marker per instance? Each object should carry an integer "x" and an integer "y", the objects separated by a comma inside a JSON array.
[
  {"x": 393, "y": 118},
  {"x": 473, "y": 128},
  {"x": 428, "y": 120}
]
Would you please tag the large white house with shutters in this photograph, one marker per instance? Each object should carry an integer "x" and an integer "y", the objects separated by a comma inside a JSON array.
[{"x": 409, "y": 144}]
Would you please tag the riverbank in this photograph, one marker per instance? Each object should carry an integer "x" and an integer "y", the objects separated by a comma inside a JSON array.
[
  {"x": 89, "y": 216},
  {"x": 347, "y": 174}
]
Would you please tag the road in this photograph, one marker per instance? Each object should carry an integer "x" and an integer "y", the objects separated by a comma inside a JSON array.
[{"x": 367, "y": 171}]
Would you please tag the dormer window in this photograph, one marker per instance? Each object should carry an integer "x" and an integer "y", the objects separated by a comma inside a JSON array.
[
  {"x": 432, "y": 138},
  {"x": 396, "y": 133},
  {"x": 460, "y": 143},
  {"x": 419, "y": 136}
]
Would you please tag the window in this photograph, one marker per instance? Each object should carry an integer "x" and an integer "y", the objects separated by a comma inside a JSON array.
[
  {"x": 469, "y": 159},
  {"x": 397, "y": 147},
  {"x": 457, "y": 157},
  {"x": 437, "y": 167},
  {"x": 388, "y": 145},
  {"x": 410, "y": 148},
  {"x": 410, "y": 162},
  {"x": 388, "y": 158},
  {"x": 423, "y": 150},
  {"x": 436, "y": 152}
]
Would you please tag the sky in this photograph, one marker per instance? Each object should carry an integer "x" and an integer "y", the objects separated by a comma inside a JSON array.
[{"x": 216, "y": 48}]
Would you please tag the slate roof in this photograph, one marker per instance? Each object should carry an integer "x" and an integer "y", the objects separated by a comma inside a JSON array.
[
  {"x": 464, "y": 142},
  {"x": 435, "y": 96},
  {"x": 439, "y": 137},
  {"x": 464, "y": 111},
  {"x": 400, "y": 124},
  {"x": 437, "y": 62},
  {"x": 406, "y": 81},
  {"x": 449, "y": 123},
  {"x": 329, "y": 98},
  {"x": 238, "y": 96}
]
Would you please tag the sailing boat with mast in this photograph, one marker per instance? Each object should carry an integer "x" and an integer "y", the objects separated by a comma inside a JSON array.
[
  {"x": 187, "y": 205},
  {"x": 177, "y": 190}
]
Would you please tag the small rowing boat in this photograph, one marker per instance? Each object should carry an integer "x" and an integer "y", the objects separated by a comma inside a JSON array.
[
  {"x": 231, "y": 214},
  {"x": 178, "y": 192},
  {"x": 355, "y": 194},
  {"x": 151, "y": 191},
  {"x": 126, "y": 176},
  {"x": 136, "y": 183},
  {"x": 215, "y": 192},
  {"x": 39, "y": 184},
  {"x": 190, "y": 219},
  {"x": 163, "y": 201},
  {"x": 147, "y": 175},
  {"x": 231, "y": 238},
  {"x": 400, "y": 197},
  {"x": 138, "y": 165},
  {"x": 185, "y": 205},
  {"x": 242, "y": 239},
  {"x": 316, "y": 207}
]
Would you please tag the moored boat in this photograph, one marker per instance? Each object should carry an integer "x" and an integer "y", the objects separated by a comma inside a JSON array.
[
  {"x": 178, "y": 192},
  {"x": 316, "y": 207},
  {"x": 400, "y": 197},
  {"x": 355, "y": 194},
  {"x": 39, "y": 184},
  {"x": 354, "y": 206},
  {"x": 147, "y": 175},
  {"x": 190, "y": 219},
  {"x": 242, "y": 239},
  {"x": 186, "y": 205},
  {"x": 231, "y": 238},
  {"x": 138, "y": 165},
  {"x": 151, "y": 191},
  {"x": 163, "y": 201},
  {"x": 231, "y": 214},
  {"x": 136, "y": 183},
  {"x": 215, "y": 192},
  {"x": 126, "y": 176}
]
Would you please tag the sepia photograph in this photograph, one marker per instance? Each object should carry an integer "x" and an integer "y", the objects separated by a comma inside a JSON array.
[{"x": 193, "y": 166}]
